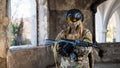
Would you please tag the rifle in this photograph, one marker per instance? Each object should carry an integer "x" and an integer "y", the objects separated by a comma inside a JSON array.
[
  {"x": 67, "y": 46},
  {"x": 73, "y": 42}
]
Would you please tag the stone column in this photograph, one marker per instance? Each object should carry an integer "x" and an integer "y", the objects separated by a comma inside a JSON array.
[{"x": 3, "y": 34}]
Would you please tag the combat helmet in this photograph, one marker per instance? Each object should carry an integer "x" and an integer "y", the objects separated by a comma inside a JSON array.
[{"x": 74, "y": 15}]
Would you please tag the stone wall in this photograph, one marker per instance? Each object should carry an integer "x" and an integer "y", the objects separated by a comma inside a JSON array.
[
  {"x": 3, "y": 34},
  {"x": 42, "y": 57},
  {"x": 35, "y": 57},
  {"x": 109, "y": 52},
  {"x": 57, "y": 22},
  {"x": 58, "y": 11}
]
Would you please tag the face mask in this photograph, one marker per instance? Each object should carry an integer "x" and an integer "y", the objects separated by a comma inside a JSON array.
[
  {"x": 73, "y": 22},
  {"x": 76, "y": 23}
]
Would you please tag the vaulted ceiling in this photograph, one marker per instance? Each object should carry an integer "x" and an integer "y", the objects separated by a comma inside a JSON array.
[{"x": 107, "y": 8}]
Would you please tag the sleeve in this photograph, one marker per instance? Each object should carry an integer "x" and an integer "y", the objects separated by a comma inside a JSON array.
[
  {"x": 60, "y": 35},
  {"x": 88, "y": 38}
]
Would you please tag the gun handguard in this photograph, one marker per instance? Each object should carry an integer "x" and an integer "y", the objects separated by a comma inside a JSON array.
[
  {"x": 85, "y": 44},
  {"x": 73, "y": 42}
]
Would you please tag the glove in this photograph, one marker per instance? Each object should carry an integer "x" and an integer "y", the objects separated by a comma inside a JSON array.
[{"x": 64, "y": 49}]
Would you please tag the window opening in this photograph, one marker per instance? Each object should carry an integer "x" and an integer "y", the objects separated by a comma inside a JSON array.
[
  {"x": 22, "y": 22},
  {"x": 111, "y": 29}
]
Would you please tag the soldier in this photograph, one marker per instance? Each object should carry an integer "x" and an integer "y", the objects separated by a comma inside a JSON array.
[{"x": 75, "y": 31}]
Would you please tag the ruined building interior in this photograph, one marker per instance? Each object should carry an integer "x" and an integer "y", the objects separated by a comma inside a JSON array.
[{"x": 25, "y": 24}]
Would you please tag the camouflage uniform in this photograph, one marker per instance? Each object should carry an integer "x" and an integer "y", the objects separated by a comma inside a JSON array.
[{"x": 83, "y": 52}]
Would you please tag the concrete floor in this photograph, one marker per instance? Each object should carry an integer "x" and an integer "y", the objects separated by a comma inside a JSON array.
[{"x": 107, "y": 65}]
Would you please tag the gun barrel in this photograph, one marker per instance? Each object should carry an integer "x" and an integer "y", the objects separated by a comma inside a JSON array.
[
  {"x": 49, "y": 42},
  {"x": 85, "y": 44}
]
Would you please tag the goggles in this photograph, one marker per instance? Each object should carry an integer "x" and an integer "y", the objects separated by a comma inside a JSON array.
[
  {"x": 75, "y": 22},
  {"x": 72, "y": 20}
]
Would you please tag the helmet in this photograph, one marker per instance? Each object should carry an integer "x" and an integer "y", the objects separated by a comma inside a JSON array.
[{"x": 74, "y": 15}]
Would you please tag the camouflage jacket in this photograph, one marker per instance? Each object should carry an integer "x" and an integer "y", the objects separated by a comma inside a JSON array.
[{"x": 85, "y": 59}]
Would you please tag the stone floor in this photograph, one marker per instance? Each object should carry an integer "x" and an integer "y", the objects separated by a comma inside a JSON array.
[{"x": 105, "y": 65}]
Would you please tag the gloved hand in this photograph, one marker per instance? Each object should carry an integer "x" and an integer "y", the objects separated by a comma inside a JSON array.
[{"x": 64, "y": 49}]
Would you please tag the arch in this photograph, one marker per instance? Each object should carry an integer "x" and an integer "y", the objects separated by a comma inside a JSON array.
[
  {"x": 114, "y": 6},
  {"x": 117, "y": 36},
  {"x": 105, "y": 11}
]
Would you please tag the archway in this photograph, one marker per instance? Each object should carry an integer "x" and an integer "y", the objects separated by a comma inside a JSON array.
[{"x": 104, "y": 13}]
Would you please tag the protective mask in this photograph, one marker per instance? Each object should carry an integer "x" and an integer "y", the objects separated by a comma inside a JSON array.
[
  {"x": 73, "y": 24},
  {"x": 76, "y": 23}
]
